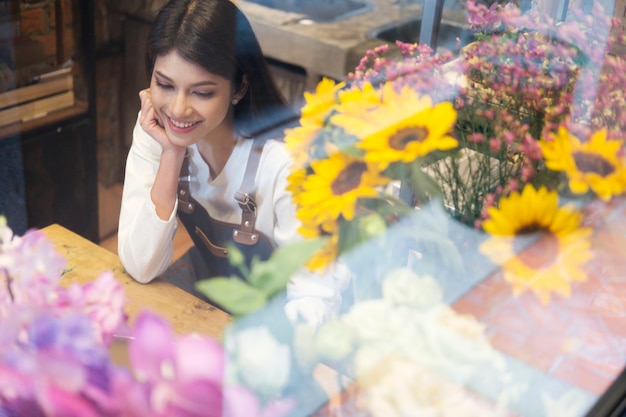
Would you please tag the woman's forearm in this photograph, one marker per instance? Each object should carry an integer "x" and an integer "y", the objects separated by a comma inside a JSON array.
[{"x": 165, "y": 187}]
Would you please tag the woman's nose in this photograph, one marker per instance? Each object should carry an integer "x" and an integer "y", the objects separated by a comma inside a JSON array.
[{"x": 178, "y": 106}]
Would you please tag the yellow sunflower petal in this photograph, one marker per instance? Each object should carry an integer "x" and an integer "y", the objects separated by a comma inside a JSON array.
[
  {"x": 593, "y": 165},
  {"x": 578, "y": 186},
  {"x": 335, "y": 186},
  {"x": 551, "y": 263},
  {"x": 403, "y": 126},
  {"x": 318, "y": 104},
  {"x": 298, "y": 141}
]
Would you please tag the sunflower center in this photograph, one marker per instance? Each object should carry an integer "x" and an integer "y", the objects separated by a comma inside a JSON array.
[
  {"x": 349, "y": 178},
  {"x": 589, "y": 162},
  {"x": 529, "y": 229},
  {"x": 403, "y": 137},
  {"x": 541, "y": 254}
]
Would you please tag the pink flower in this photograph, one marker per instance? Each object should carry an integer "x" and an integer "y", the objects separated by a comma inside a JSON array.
[
  {"x": 509, "y": 137},
  {"x": 183, "y": 375},
  {"x": 495, "y": 144},
  {"x": 239, "y": 402},
  {"x": 104, "y": 304},
  {"x": 528, "y": 172},
  {"x": 32, "y": 265},
  {"x": 476, "y": 137},
  {"x": 57, "y": 366},
  {"x": 482, "y": 18}
]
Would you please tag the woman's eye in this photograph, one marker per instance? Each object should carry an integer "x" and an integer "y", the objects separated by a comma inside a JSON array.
[
  {"x": 161, "y": 85},
  {"x": 204, "y": 94}
]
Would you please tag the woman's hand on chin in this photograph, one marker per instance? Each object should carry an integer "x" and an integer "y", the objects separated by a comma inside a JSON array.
[{"x": 151, "y": 123}]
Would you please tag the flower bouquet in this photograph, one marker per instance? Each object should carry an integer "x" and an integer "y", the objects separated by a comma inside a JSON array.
[
  {"x": 445, "y": 180},
  {"x": 529, "y": 103},
  {"x": 56, "y": 344},
  {"x": 475, "y": 199}
]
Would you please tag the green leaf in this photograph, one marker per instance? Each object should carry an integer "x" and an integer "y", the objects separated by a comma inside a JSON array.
[
  {"x": 349, "y": 235},
  {"x": 233, "y": 294},
  {"x": 424, "y": 187},
  {"x": 235, "y": 257},
  {"x": 271, "y": 276}
]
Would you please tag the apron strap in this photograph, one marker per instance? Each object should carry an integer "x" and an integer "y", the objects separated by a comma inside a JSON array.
[
  {"x": 185, "y": 203},
  {"x": 246, "y": 233}
]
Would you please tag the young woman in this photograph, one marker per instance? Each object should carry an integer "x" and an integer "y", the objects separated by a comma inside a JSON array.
[{"x": 210, "y": 93}]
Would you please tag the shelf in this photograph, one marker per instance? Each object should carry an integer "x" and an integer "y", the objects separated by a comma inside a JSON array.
[{"x": 79, "y": 109}]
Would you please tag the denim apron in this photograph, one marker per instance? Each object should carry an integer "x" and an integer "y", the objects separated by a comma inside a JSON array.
[{"x": 213, "y": 238}]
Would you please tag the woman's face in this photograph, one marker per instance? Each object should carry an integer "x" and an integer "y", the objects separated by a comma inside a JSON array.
[{"x": 191, "y": 103}]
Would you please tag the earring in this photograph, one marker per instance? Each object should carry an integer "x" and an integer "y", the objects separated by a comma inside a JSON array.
[{"x": 235, "y": 101}]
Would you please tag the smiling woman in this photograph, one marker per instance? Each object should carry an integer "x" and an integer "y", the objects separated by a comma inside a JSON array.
[
  {"x": 199, "y": 157},
  {"x": 191, "y": 104}
]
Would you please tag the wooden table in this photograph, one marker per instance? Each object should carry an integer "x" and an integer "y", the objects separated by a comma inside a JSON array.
[{"x": 185, "y": 312}]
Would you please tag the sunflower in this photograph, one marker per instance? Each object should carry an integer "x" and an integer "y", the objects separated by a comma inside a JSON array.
[
  {"x": 298, "y": 141},
  {"x": 329, "y": 252},
  {"x": 594, "y": 164},
  {"x": 334, "y": 187},
  {"x": 315, "y": 111},
  {"x": 295, "y": 179},
  {"x": 403, "y": 127},
  {"x": 552, "y": 262},
  {"x": 318, "y": 104},
  {"x": 325, "y": 256},
  {"x": 357, "y": 100}
]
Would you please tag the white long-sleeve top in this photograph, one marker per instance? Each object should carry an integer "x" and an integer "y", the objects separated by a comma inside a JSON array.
[{"x": 145, "y": 241}]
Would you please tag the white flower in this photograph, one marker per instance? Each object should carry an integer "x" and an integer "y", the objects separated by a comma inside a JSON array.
[
  {"x": 412, "y": 320},
  {"x": 403, "y": 286},
  {"x": 263, "y": 362},
  {"x": 465, "y": 326},
  {"x": 377, "y": 319},
  {"x": 401, "y": 388},
  {"x": 334, "y": 340}
]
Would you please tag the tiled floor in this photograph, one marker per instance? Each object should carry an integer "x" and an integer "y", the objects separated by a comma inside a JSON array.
[
  {"x": 580, "y": 339},
  {"x": 566, "y": 353}
]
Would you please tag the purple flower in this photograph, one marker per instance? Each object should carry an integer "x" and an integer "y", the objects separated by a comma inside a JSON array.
[
  {"x": 54, "y": 359},
  {"x": 20, "y": 407},
  {"x": 483, "y": 18},
  {"x": 184, "y": 374},
  {"x": 239, "y": 402},
  {"x": 104, "y": 304},
  {"x": 60, "y": 365},
  {"x": 32, "y": 259},
  {"x": 30, "y": 268}
]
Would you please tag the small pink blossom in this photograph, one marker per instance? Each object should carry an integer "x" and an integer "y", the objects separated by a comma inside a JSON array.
[
  {"x": 508, "y": 137},
  {"x": 184, "y": 375},
  {"x": 476, "y": 137},
  {"x": 104, "y": 303},
  {"x": 495, "y": 145},
  {"x": 513, "y": 185},
  {"x": 527, "y": 173},
  {"x": 32, "y": 267}
]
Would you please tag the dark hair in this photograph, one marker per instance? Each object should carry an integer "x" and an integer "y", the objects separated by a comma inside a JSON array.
[{"x": 216, "y": 35}]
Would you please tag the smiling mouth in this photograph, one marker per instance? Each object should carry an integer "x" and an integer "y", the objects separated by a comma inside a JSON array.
[{"x": 181, "y": 125}]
